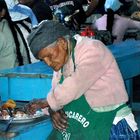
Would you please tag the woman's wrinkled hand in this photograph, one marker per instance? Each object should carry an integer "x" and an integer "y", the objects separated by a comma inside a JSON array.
[
  {"x": 34, "y": 105},
  {"x": 59, "y": 119}
]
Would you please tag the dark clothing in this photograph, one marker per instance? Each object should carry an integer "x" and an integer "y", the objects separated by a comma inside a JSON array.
[
  {"x": 63, "y": 8},
  {"x": 82, "y": 1},
  {"x": 96, "y": 7},
  {"x": 41, "y": 10},
  {"x": 127, "y": 8}
]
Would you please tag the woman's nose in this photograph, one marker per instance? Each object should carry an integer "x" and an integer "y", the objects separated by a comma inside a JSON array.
[{"x": 47, "y": 62}]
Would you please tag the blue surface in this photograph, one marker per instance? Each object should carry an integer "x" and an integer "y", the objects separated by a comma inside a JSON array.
[
  {"x": 26, "y": 82},
  {"x": 36, "y": 132},
  {"x": 127, "y": 54},
  {"x": 38, "y": 69},
  {"x": 28, "y": 131},
  {"x": 125, "y": 49}
]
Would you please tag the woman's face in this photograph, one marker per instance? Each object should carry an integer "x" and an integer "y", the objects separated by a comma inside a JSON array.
[
  {"x": 2, "y": 13},
  {"x": 55, "y": 55}
]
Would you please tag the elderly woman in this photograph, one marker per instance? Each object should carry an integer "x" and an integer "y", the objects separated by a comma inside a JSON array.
[{"x": 88, "y": 97}]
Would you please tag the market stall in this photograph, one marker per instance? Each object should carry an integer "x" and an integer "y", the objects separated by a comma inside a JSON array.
[
  {"x": 31, "y": 81},
  {"x": 23, "y": 84}
]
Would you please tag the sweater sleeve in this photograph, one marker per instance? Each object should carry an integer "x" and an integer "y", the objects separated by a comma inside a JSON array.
[{"x": 90, "y": 66}]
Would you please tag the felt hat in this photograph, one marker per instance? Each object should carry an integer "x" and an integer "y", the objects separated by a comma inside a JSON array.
[{"x": 46, "y": 33}]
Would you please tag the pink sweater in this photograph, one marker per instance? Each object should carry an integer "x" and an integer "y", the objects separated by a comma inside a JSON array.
[{"x": 97, "y": 77}]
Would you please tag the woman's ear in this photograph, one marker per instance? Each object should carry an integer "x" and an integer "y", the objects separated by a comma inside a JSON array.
[{"x": 62, "y": 42}]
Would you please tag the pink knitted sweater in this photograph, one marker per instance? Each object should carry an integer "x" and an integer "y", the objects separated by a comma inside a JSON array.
[{"x": 97, "y": 77}]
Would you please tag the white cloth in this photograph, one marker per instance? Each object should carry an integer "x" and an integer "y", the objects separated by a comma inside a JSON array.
[
  {"x": 130, "y": 120},
  {"x": 15, "y": 15}
]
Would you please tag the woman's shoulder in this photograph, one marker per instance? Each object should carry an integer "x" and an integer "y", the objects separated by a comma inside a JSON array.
[{"x": 87, "y": 46}]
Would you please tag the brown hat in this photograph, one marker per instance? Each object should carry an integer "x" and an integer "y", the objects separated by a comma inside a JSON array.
[{"x": 46, "y": 33}]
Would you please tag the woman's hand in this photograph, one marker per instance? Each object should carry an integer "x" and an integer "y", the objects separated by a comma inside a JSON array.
[
  {"x": 59, "y": 119},
  {"x": 34, "y": 105}
]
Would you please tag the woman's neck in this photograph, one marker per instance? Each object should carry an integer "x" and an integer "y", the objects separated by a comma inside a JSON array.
[{"x": 69, "y": 49}]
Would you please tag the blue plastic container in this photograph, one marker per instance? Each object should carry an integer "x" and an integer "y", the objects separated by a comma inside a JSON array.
[{"x": 26, "y": 82}]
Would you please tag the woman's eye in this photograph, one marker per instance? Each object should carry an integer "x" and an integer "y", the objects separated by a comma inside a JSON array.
[{"x": 50, "y": 57}]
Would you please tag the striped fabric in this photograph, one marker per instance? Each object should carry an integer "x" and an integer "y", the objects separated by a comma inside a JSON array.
[{"x": 122, "y": 131}]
